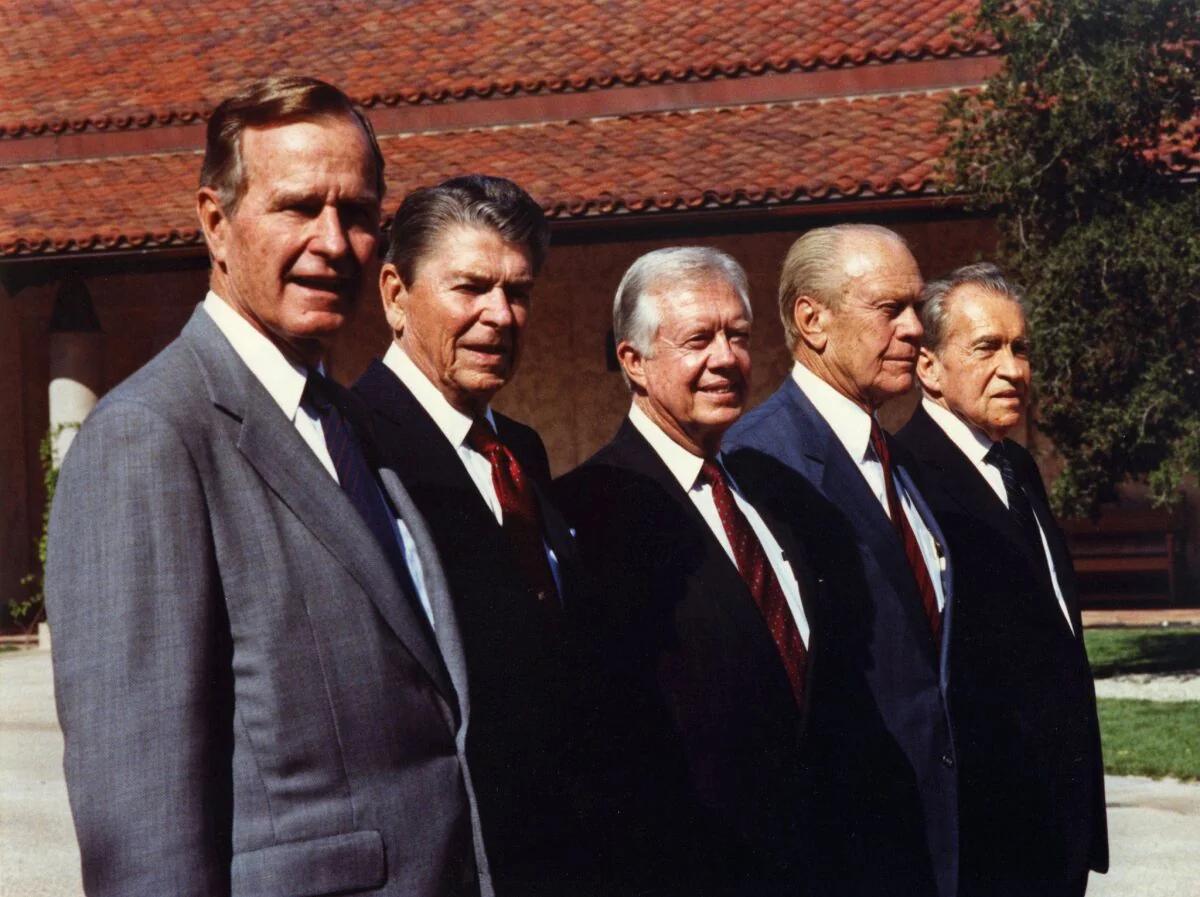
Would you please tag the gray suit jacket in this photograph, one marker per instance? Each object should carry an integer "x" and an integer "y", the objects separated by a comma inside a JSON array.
[{"x": 251, "y": 703}]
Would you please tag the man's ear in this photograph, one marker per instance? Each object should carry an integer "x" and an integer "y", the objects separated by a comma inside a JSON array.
[
  {"x": 633, "y": 363},
  {"x": 394, "y": 295},
  {"x": 929, "y": 372},
  {"x": 811, "y": 318},
  {"x": 214, "y": 222}
]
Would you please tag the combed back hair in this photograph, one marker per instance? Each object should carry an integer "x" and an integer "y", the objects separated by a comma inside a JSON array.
[
  {"x": 636, "y": 320},
  {"x": 934, "y": 308},
  {"x": 811, "y": 269},
  {"x": 474, "y": 200},
  {"x": 271, "y": 101}
]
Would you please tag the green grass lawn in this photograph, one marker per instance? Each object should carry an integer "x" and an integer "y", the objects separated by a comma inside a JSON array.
[
  {"x": 1151, "y": 738},
  {"x": 1157, "y": 650}
]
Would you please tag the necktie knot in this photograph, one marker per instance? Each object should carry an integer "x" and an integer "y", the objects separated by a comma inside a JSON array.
[
  {"x": 318, "y": 392},
  {"x": 997, "y": 456},
  {"x": 482, "y": 439},
  {"x": 711, "y": 473}
]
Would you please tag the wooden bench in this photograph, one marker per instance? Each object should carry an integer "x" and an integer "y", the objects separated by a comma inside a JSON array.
[{"x": 1127, "y": 543}]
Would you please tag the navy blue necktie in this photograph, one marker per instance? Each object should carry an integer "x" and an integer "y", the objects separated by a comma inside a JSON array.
[{"x": 354, "y": 476}]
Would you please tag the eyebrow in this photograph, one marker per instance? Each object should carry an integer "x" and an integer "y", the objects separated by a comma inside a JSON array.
[{"x": 476, "y": 277}]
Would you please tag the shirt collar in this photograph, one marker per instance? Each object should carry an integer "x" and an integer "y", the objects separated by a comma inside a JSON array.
[
  {"x": 684, "y": 466},
  {"x": 850, "y": 423},
  {"x": 282, "y": 378},
  {"x": 453, "y": 423},
  {"x": 970, "y": 440}
]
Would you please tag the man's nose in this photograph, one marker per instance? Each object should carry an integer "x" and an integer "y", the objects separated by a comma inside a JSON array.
[
  {"x": 909, "y": 325},
  {"x": 720, "y": 352},
  {"x": 1013, "y": 367},
  {"x": 329, "y": 234},
  {"x": 497, "y": 308}
]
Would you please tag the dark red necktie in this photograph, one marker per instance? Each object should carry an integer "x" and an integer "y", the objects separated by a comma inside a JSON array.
[
  {"x": 522, "y": 516},
  {"x": 912, "y": 551},
  {"x": 760, "y": 579}
]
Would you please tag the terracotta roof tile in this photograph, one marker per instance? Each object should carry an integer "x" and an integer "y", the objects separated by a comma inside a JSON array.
[
  {"x": 99, "y": 63},
  {"x": 712, "y": 158}
]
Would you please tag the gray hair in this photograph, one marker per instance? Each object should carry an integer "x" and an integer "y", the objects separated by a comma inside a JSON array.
[
  {"x": 636, "y": 321},
  {"x": 934, "y": 309},
  {"x": 810, "y": 269}
]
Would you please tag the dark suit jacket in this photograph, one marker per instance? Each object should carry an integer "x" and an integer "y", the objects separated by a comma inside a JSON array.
[
  {"x": 251, "y": 703},
  {"x": 887, "y": 760},
  {"x": 1032, "y": 791},
  {"x": 520, "y": 669},
  {"x": 704, "y": 739}
]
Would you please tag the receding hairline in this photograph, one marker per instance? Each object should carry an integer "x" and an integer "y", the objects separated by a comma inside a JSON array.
[{"x": 954, "y": 300}]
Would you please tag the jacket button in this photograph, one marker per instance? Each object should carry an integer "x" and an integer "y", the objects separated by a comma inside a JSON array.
[{"x": 947, "y": 761}]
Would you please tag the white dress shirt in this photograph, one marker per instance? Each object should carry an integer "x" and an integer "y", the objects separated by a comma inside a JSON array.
[
  {"x": 975, "y": 445},
  {"x": 455, "y": 426},
  {"x": 852, "y": 426},
  {"x": 685, "y": 468},
  {"x": 284, "y": 381},
  {"x": 453, "y": 423}
]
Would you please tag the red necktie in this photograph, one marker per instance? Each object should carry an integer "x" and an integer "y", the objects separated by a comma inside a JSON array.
[
  {"x": 760, "y": 579},
  {"x": 522, "y": 516},
  {"x": 912, "y": 551}
]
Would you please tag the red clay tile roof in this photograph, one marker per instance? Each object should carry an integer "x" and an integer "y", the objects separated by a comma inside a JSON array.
[
  {"x": 713, "y": 158},
  {"x": 112, "y": 63}
]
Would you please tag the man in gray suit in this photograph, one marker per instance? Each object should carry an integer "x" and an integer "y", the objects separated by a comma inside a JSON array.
[{"x": 258, "y": 672}]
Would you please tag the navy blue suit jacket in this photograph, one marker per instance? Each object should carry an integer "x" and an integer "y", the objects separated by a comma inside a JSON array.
[{"x": 888, "y": 764}]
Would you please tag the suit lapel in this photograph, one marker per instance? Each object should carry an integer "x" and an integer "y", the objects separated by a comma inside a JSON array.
[
  {"x": 970, "y": 491},
  {"x": 288, "y": 466},
  {"x": 1063, "y": 567},
  {"x": 840, "y": 481},
  {"x": 729, "y": 591}
]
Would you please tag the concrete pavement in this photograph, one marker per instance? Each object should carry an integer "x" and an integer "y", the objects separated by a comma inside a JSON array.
[
  {"x": 1154, "y": 826},
  {"x": 38, "y": 853}
]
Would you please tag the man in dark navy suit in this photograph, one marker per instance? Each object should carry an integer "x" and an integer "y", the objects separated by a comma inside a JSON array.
[
  {"x": 885, "y": 757},
  {"x": 456, "y": 288},
  {"x": 1031, "y": 776},
  {"x": 707, "y": 623}
]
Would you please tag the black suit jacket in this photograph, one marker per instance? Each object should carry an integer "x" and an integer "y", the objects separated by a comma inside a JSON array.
[
  {"x": 522, "y": 674},
  {"x": 1032, "y": 786},
  {"x": 704, "y": 739}
]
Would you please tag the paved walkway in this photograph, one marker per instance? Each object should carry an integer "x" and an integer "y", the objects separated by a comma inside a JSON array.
[
  {"x": 1143, "y": 616},
  {"x": 1154, "y": 826},
  {"x": 38, "y": 854},
  {"x": 1151, "y": 687}
]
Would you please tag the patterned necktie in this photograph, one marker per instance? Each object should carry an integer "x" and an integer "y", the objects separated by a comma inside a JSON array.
[
  {"x": 1018, "y": 501},
  {"x": 912, "y": 551},
  {"x": 354, "y": 476},
  {"x": 522, "y": 515},
  {"x": 760, "y": 579}
]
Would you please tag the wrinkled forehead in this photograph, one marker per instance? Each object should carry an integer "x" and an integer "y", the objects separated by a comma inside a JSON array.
[
  {"x": 307, "y": 146},
  {"x": 712, "y": 296}
]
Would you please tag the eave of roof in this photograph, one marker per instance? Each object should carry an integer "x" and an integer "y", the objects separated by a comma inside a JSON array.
[{"x": 751, "y": 156}]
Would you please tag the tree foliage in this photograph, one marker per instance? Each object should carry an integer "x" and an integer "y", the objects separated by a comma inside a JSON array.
[{"x": 1085, "y": 144}]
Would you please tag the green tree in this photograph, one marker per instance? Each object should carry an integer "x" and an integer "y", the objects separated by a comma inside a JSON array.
[{"x": 1085, "y": 145}]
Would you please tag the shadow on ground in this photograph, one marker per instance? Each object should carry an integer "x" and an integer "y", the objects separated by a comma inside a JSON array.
[{"x": 1115, "y": 652}]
